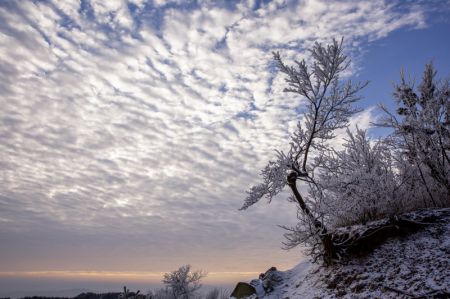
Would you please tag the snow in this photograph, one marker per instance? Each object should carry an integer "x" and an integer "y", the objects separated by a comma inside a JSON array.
[{"x": 411, "y": 266}]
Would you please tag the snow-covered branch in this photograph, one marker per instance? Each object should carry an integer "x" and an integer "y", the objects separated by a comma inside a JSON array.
[{"x": 329, "y": 104}]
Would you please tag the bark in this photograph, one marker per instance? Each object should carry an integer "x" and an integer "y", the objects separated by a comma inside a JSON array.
[
  {"x": 329, "y": 249},
  {"x": 292, "y": 183}
]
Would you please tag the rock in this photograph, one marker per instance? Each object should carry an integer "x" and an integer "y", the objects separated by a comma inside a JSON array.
[
  {"x": 242, "y": 290},
  {"x": 271, "y": 278}
]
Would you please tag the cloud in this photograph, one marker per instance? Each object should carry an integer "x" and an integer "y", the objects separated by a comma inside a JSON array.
[{"x": 125, "y": 132}]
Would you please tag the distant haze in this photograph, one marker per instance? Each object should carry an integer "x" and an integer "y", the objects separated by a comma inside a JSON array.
[{"x": 69, "y": 284}]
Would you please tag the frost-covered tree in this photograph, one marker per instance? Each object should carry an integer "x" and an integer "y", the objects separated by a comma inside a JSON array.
[
  {"x": 183, "y": 283},
  {"x": 422, "y": 132},
  {"x": 360, "y": 181},
  {"x": 329, "y": 104}
]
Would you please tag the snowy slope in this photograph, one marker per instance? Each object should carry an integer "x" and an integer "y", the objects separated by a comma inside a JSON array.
[{"x": 415, "y": 266}]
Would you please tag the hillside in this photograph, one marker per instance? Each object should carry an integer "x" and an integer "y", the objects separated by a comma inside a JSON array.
[{"x": 412, "y": 266}]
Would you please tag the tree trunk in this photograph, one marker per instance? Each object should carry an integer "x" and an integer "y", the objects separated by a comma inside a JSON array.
[{"x": 327, "y": 242}]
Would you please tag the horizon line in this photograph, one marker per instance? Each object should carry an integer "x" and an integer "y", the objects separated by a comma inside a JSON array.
[{"x": 214, "y": 276}]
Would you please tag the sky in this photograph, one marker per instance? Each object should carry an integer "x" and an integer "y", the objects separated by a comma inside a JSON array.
[{"x": 130, "y": 130}]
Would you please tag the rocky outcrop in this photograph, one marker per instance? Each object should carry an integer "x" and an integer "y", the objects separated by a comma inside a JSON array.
[{"x": 243, "y": 290}]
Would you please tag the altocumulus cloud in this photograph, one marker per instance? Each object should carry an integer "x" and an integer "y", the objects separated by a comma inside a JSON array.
[{"x": 130, "y": 130}]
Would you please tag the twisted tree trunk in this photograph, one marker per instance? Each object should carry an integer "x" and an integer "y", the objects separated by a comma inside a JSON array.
[{"x": 330, "y": 252}]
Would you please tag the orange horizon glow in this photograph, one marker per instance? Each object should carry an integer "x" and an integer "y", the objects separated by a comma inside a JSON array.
[{"x": 120, "y": 276}]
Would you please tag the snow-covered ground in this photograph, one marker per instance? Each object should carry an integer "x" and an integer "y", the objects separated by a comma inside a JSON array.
[{"x": 414, "y": 266}]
